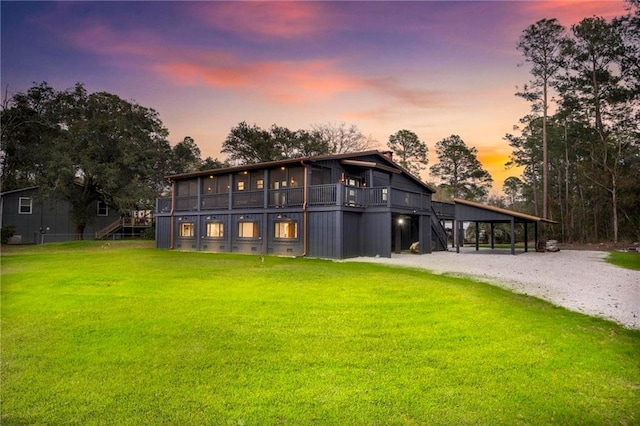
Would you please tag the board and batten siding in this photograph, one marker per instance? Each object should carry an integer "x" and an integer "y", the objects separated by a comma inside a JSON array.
[
  {"x": 163, "y": 232},
  {"x": 323, "y": 234},
  {"x": 376, "y": 234}
]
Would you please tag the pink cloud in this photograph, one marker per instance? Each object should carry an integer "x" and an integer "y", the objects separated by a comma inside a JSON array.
[
  {"x": 283, "y": 20},
  {"x": 569, "y": 12}
]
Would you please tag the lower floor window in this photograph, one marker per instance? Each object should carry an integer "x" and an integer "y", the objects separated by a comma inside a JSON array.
[
  {"x": 215, "y": 229},
  {"x": 248, "y": 230},
  {"x": 187, "y": 229},
  {"x": 286, "y": 230}
]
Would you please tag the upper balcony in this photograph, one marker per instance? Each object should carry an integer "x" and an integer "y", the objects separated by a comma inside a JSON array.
[{"x": 318, "y": 195}]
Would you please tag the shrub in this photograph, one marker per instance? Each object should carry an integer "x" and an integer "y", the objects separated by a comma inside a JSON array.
[{"x": 7, "y": 232}]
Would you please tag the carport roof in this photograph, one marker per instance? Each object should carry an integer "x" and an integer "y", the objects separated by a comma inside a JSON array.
[{"x": 488, "y": 213}]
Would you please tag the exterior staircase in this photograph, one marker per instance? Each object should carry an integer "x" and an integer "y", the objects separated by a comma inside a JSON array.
[{"x": 121, "y": 224}]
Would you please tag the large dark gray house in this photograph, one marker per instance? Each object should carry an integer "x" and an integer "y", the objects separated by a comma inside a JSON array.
[{"x": 333, "y": 206}]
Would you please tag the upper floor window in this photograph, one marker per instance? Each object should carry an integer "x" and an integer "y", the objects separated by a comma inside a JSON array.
[
  {"x": 286, "y": 230},
  {"x": 25, "y": 205},
  {"x": 215, "y": 184},
  {"x": 187, "y": 188},
  {"x": 103, "y": 209},
  {"x": 321, "y": 176}
]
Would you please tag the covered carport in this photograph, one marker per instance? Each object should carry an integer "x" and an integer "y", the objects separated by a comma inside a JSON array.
[{"x": 469, "y": 211}]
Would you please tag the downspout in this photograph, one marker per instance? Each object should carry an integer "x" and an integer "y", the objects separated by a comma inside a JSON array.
[
  {"x": 172, "y": 239},
  {"x": 305, "y": 212}
]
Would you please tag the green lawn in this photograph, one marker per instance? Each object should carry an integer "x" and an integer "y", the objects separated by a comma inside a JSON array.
[
  {"x": 625, "y": 259},
  {"x": 126, "y": 334}
]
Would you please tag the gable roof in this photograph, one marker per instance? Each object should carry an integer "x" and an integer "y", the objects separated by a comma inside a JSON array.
[
  {"x": 353, "y": 158},
  {"x": 516, "y": 215},
  {"x": 13, "y": 191}
]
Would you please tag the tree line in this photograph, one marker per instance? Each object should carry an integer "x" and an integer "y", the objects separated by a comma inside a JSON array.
[
  {"x": 580, "y": 144},
  {"x": 85, "y": 147}
]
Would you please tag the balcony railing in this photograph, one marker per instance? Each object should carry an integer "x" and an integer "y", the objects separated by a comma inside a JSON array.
[
  {"x": 215, "y": 202},
  {"x": 247, "y": 199},
  {"x": 322, "y": 195},
  {"x": 319, "y": 195},
  {"x": 286, "y": 197}
]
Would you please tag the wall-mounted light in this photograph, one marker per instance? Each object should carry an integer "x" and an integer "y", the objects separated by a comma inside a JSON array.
[{"x": 400, "y": 221}]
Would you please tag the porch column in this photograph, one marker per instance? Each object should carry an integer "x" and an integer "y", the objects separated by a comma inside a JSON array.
[{"x": 513, "y": 237}]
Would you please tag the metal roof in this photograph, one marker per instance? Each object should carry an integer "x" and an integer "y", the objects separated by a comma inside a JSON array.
[
  {"x": 385, "y": 163},
  {"x": 523, "y": 217}
]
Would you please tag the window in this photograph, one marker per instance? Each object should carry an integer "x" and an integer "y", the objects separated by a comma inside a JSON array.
[
  {"x": 25, "y": 205},
  {"x": 215, "y": 229},
  {"x": 187, "y": 229},
  {"x": 103, "y": 209},
  {"x": 286, "y": 230},
  {"x": 209, "y": 185},
  {"x": 260, "y": 184},
  {"x": 248, "y": 230},
  {"x": 187, "y": 188},
  {"x": 240, "y": 186}
]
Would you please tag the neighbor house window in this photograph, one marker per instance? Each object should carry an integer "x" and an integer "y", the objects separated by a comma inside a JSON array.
[
  {"x": 103, "y": 209},
  {"x": 241, "y": 186},
  {"x": 187, "y": 229},
  {"x": 25, "y": 205},
  {"x": 248, "y": 230},
  {"x": 286, "y": 230},
  {"x": 215, "y": 229}
]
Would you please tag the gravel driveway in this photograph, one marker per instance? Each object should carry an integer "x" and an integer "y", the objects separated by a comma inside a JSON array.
[{"x": 577, "y": 280}]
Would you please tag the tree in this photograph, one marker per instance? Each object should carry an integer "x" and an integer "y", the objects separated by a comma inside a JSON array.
[
  {"x": 250, "y": 144},
  {"x": 342, "y": 138},
  {"x": 185, "y": 156},
  {"x": 541, "y": 46},
  {"x": 512, "y": 188},
  {"x": 610, "y": 109},
  {"x": 459, "y": 169},
  {"x": 27, "y": 127},
  {"x": 409, "y": 151},
  {"x": 98, "y": 147}
]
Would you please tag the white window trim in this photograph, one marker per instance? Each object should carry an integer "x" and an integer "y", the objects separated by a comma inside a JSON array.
[
  {"x": 20, "y": 205},
  {"x": 106, "y": 208}
]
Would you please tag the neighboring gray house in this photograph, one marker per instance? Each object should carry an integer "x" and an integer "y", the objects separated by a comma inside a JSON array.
[
  {"x": 332, "y": 206},
  {"x": 37, "y": 221}
]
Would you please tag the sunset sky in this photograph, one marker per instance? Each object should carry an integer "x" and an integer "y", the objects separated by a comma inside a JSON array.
[{"x": 436, "y": 68}]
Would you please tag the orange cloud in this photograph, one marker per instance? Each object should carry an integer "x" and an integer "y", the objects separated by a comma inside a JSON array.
[
  {"x": 285, "y": 20},
  {"x": 285, "y": 81}
]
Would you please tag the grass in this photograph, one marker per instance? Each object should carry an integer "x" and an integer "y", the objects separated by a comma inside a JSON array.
[
  {"x": 627, "y": 260},
  {"x": 126, "y": 334}
]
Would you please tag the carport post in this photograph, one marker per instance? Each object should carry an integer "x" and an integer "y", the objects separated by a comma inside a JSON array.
[
  {"x": 477, "y": 237},
  {"x": 526, "y": 237},
  {"x": 493, "y": 239},
  {"x": 513, "y": 236}
]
